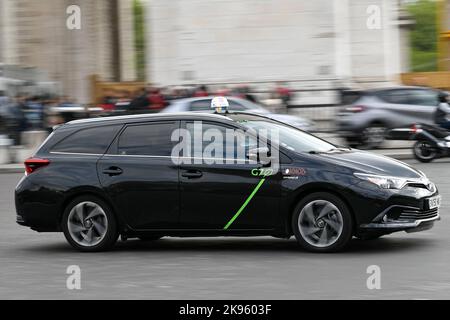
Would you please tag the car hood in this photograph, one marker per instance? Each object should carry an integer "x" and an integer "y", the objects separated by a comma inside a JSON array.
[{"x": 366, "y": 162}]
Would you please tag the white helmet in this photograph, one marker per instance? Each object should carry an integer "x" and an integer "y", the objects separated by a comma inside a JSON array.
[{"x": 220, "y": 104}]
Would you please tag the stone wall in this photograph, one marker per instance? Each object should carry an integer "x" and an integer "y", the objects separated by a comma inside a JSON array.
[
  {"x": 38, "y": 37},
  {"x": 215, "y": 41}
]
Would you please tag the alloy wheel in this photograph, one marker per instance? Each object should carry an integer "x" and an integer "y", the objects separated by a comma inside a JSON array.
[
  {"x": 320, "y": 223},
  {"x": 87, "y": 224}
]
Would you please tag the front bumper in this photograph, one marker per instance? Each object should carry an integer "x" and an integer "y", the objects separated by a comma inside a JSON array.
[
  {"x": 400, "y": 225},
  {"x": 402, "y": 218}
]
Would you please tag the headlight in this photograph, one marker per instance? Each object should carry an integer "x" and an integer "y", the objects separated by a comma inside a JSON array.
[{"x": 383, "y": 182}]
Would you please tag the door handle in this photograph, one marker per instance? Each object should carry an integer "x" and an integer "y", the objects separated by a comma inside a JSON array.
[
  {"x": 192, "y": 174},
  {"x": 113, "y": 171}
]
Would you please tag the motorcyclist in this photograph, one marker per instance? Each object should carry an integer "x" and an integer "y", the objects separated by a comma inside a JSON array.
[{"x": 442, "y": 114}]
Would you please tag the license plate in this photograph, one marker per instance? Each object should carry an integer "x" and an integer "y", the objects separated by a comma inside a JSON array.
[{"x": 434, "y": 202}]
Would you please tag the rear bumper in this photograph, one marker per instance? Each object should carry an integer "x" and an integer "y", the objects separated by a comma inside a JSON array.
[{"x": 36, "y": 209}]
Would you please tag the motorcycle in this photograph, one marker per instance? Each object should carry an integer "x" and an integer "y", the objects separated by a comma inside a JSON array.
[{"x": 432, "y": 142}]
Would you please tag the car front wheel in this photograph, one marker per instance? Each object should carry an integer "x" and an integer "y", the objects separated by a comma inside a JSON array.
[
  {"x": 322, "y": 223},
  {"x": 89, "y": 224}
]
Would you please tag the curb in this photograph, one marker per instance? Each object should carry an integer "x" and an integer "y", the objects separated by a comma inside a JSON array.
[{"x": 12, "y": 169}]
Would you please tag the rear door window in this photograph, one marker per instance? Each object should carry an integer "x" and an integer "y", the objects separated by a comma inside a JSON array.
[
  {"x": 151, "y": 139},
  {"x": 396, "y": 96},
  {"x": 90, "y": 141}
]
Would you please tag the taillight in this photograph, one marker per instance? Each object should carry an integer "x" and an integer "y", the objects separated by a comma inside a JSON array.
[
  {"x": 33, "y": 164},
  {"x": 355, "y": 109},
  {"x": 416, "y": 128}
]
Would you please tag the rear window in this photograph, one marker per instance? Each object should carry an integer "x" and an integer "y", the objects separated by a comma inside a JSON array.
[{"x": 91, "y": 141}]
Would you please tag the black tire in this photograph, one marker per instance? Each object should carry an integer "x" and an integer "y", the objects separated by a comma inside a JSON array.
[
  {"x": 347, "y": 223},
  {"x": 111, "y": 234},
  {"x": 418, "y": 152},
  {"x": 149, "y": 238}
]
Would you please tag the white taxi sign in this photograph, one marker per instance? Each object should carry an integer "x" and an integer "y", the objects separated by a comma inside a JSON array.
[{"x": 220, "y": 104}]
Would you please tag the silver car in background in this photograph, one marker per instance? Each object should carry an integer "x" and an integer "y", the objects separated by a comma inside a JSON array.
[
  {"x": 369, "y": 117},
  {"x": 237, "y": 104}
]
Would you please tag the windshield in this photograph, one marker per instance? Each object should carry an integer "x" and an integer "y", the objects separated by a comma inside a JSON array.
[{"x": 290, "y": 138}]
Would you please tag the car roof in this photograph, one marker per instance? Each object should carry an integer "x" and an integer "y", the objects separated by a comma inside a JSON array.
[
  {"x": 376, "y": 90},
  {"x": 228, "y": 117},
  {"x": 144, "y": 117}
]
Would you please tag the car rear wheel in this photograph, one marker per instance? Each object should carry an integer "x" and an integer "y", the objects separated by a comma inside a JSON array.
[
  {"x": 89, "y": 224},
  {"x": 424, "y": 151},
  {"x": 322, "y": 223}
]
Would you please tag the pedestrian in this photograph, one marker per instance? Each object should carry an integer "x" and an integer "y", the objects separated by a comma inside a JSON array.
[
  {"x": 284, "y": 94},
  {"x": 157, "y": 101},
  {"x": 201, "y": 91},
  {"x": 140, "y": 101},
  {"x": 4, "y": 100},
  {"x": 17, "y": 121},
  {"x": 3, "y": 111}
]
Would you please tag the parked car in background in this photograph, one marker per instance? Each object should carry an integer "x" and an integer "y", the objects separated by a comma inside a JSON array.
[
  {"x": 238, "y": 104},
  {"x": 368, "y": 117}
]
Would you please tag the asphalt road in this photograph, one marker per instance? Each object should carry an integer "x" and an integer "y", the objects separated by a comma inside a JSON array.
[{"x": 413, "y": 266}]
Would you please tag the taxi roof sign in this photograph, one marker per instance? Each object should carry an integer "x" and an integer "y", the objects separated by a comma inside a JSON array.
[{"x": 220, "y": 104}]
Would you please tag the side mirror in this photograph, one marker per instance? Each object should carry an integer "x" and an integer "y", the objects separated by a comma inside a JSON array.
[{"x": 259, "y": 155}]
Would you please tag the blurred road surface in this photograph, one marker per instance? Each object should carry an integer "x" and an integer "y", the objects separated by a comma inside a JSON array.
[{"x": 413, "y": 266}]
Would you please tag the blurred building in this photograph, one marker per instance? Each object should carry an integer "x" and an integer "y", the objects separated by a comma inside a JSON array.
[
  {"x": 34, "y": 34},
  {"x": 444, "y": 36},
  {"x": 221, "y": 41}
]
